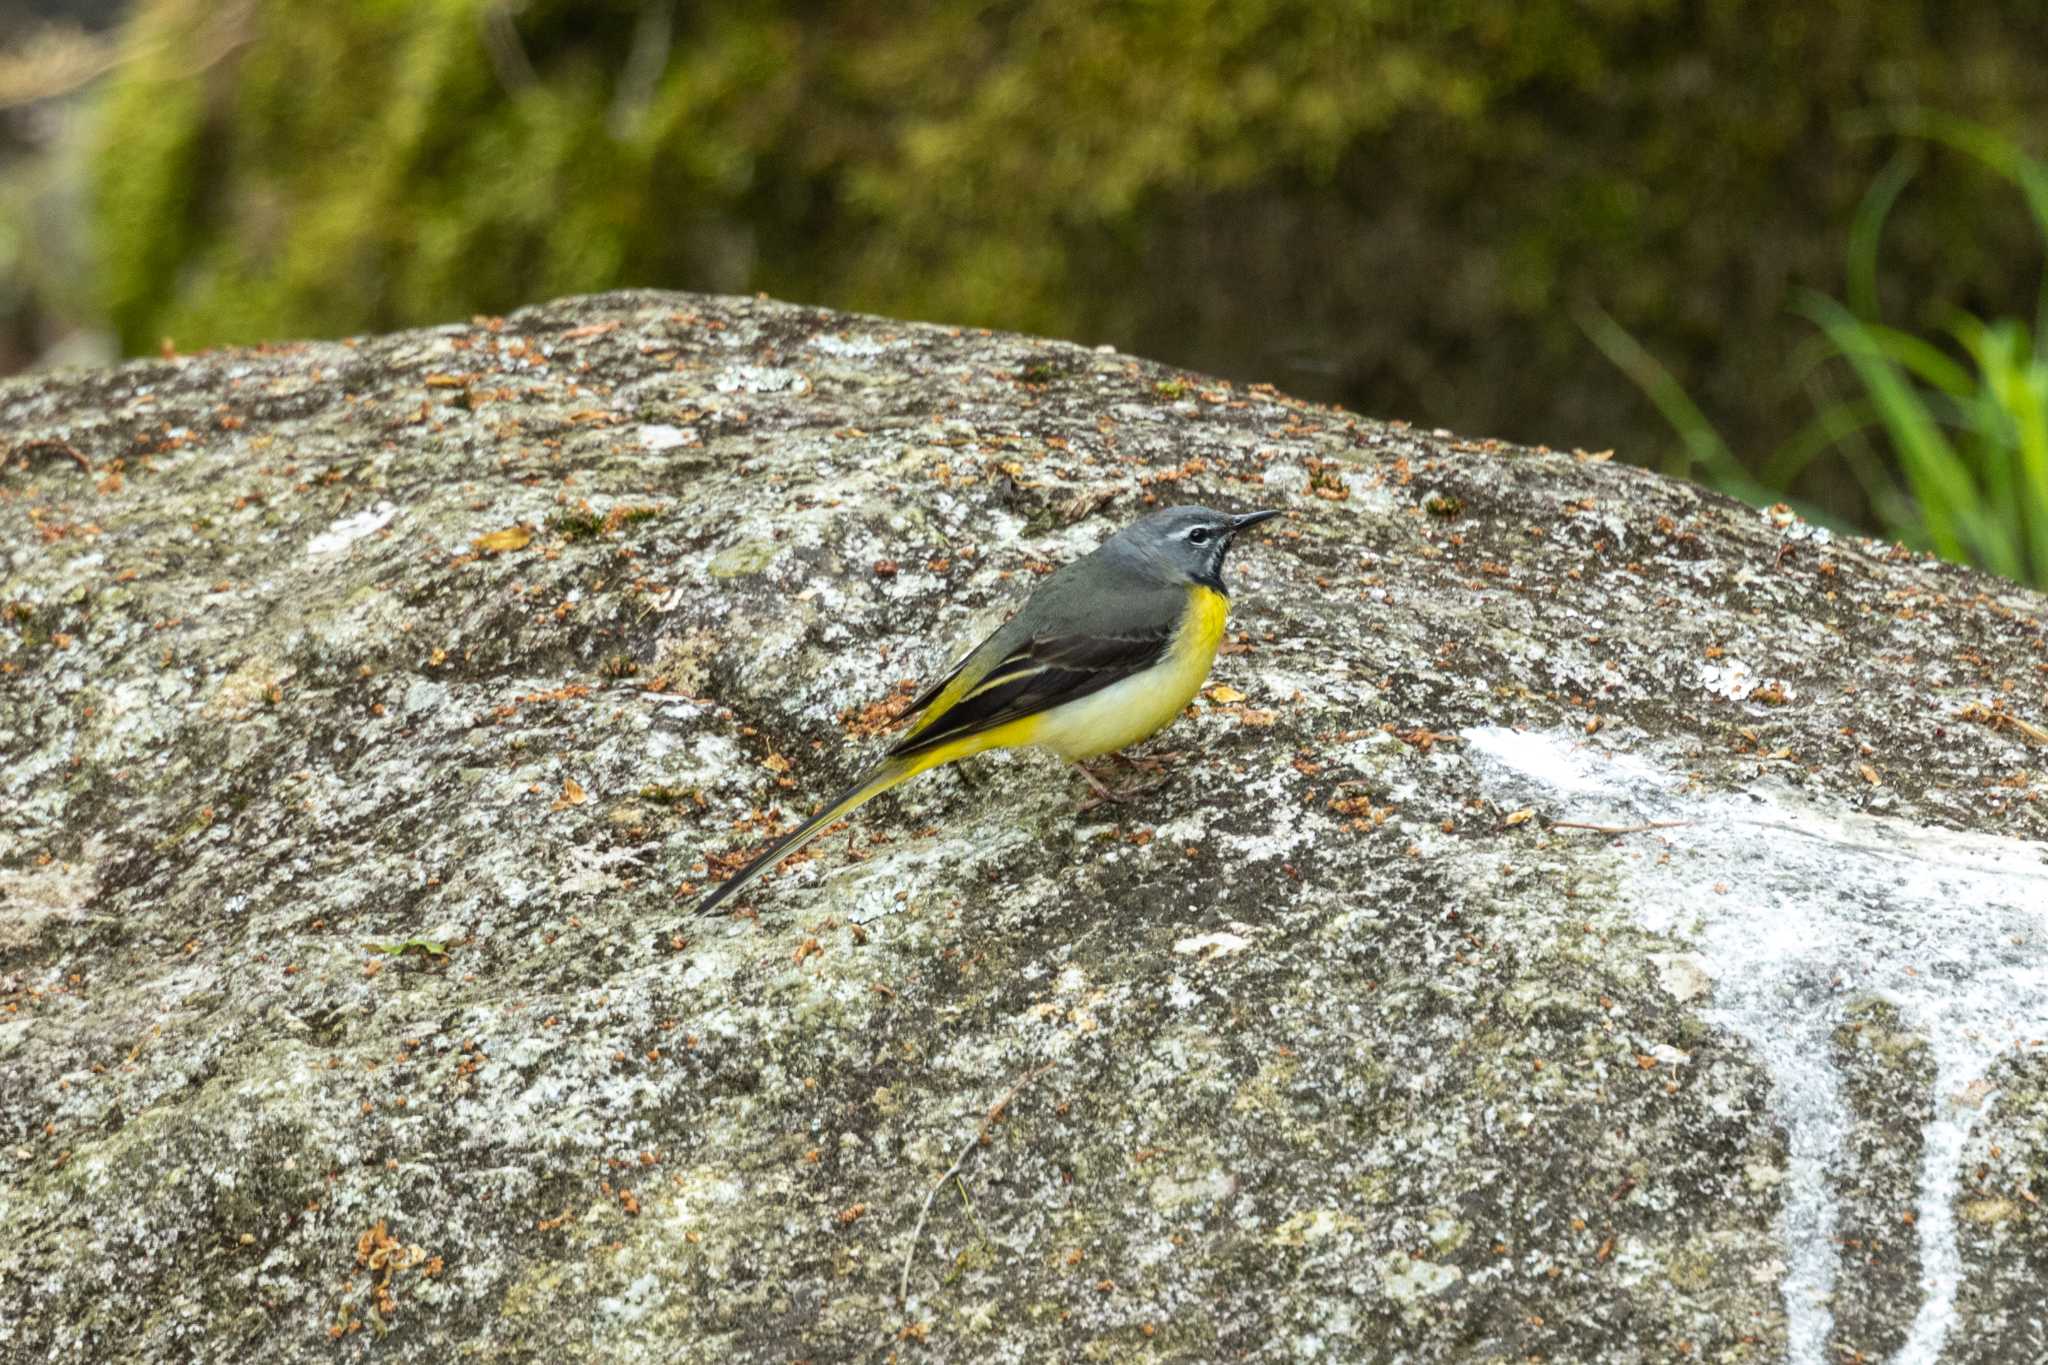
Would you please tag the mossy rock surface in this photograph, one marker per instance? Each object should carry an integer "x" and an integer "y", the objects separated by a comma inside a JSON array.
[{"x": 1592, "y": 902}]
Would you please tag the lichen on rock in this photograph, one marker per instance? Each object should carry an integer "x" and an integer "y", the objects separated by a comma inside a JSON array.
[{"x": 372, "y": 711}]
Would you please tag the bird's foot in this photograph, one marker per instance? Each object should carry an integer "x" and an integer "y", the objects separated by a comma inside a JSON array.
[
  {"x": 1104, "y": 792},
  {"x": 1156, "y": 764}
]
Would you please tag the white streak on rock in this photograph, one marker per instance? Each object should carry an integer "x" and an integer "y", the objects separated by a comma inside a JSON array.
[
  {"x": 1792, "y": 909},
  {"x": 348, "y": 530},
  {"x": 662, "y": 436},
  {"x": 1219, "y": 944}
]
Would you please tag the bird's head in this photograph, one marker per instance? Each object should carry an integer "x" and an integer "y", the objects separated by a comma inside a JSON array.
[{"x": 1188, "y": 543}]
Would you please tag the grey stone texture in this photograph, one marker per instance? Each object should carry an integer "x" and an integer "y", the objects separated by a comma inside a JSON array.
[{"x": 1586, "y": 918}]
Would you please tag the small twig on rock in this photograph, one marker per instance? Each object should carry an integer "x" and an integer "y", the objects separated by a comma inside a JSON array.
[
  {"x": 50, "y": 445},
  {"x": 1619, "y": 829},
  {"x": 988, "y": 1122}
]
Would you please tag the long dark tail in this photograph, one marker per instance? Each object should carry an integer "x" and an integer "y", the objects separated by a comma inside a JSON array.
[{"x": 879, "y": 779}]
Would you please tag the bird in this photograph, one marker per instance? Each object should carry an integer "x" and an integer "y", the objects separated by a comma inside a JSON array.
[{"x": 1103, "y": 654}]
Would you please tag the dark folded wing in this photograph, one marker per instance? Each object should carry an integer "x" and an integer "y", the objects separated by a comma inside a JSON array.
[
  {"x": 926, "y": 697},
  {"x": 1035, "y": 677}
]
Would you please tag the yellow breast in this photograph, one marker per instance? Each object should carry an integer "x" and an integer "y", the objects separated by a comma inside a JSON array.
[{"x": 1126, "y": 712}]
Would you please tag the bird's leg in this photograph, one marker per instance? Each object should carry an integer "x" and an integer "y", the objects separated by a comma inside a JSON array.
[
  {"x": 1102, "y": 792},
  {"x": 1155, "y": 764}
]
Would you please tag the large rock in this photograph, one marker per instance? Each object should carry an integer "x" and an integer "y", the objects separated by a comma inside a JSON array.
[{"x": 1607, "y": 926}]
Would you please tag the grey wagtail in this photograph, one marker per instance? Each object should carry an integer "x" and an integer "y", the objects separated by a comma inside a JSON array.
[{"x": 1103, "y": 654}]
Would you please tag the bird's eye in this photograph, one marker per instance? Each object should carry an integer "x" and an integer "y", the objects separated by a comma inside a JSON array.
[{"x": 1198, "y": 536}]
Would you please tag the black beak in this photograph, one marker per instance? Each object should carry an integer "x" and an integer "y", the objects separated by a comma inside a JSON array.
[{"x": 1253, "y": 519}]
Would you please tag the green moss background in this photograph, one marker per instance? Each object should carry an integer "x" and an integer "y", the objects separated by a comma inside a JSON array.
[{"x": 1403, "y": 207}]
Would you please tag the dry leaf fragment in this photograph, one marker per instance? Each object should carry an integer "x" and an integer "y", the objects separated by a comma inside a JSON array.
[
  {"x": 1997, "y": 717},
  {"x": 1870, "y": 774},
  {"x": 1521, "y": 817},
  {"x": 1224, "y": 693},
  {"x": 1423, "y": 739},
  {"x": 572, "y": 794},
  {"x": 498, "y": 542}
]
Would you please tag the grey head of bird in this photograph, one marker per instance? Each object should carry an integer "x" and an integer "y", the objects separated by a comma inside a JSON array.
[{"x": 1181, "y": 544}]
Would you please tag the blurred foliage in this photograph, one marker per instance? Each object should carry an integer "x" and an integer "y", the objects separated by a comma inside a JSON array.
[
  {"x": 1963, "y": 418},
  {"x": 1404, "y": 207},
  {"x": 47, "y": 303}
]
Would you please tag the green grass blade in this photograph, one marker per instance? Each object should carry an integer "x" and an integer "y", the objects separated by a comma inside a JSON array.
[
  {"x": 1923, "y": 359},
  {"x": 1702, "y": 443},
  {"x": 1866, "y": 231},
  {"x": 1991, "y": 148},
  {"x": 1997, "y": 153},
  {"x": 1891, "y": 505},
  {"x": 2024, "y": 396},
  {"x": 2010, "y": 420},
  {"x": 1949, "y": 501},
  {"x": 1834, "y": 424}
]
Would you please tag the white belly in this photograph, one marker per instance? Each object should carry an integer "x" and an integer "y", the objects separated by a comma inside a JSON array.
[{"x": 1119, "y": 715}]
